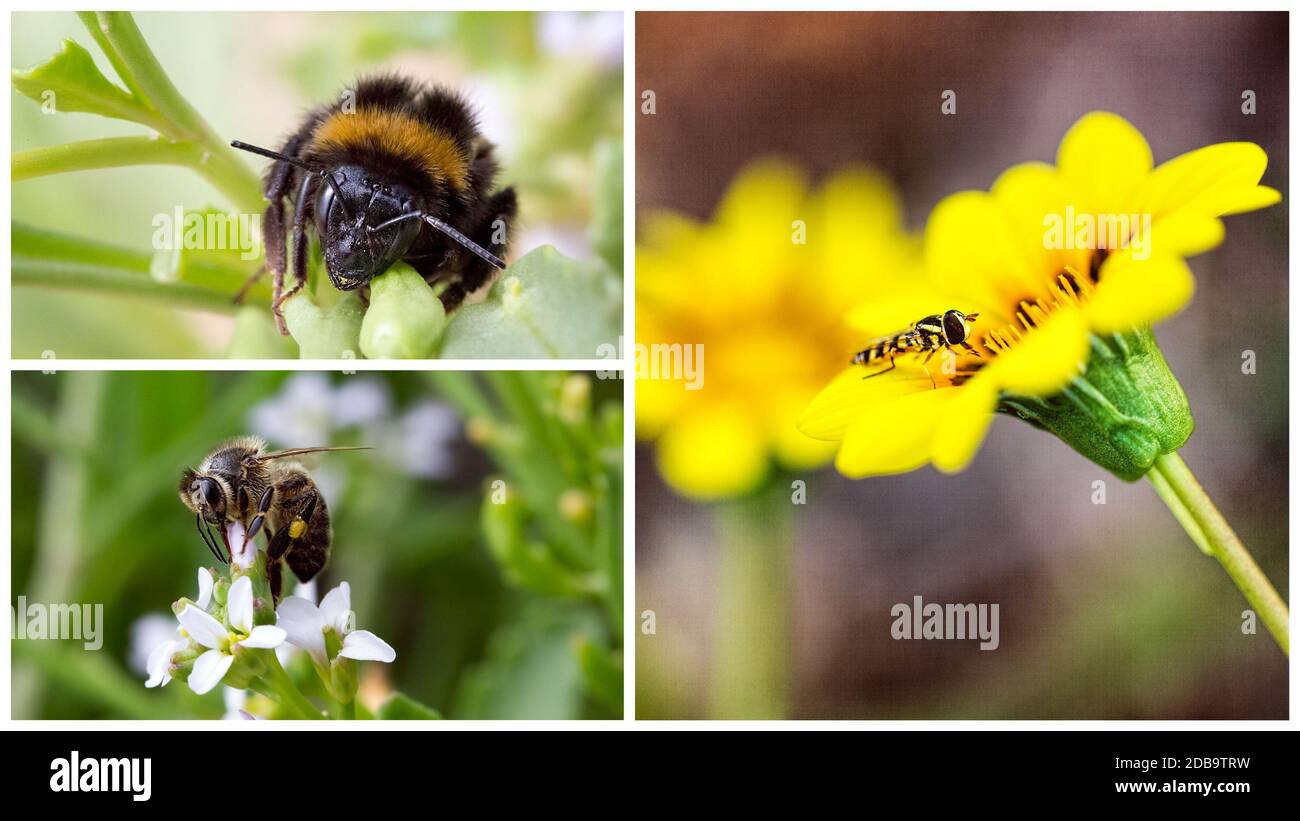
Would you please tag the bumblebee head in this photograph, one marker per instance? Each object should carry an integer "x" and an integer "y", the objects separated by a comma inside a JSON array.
[
  {"x": 956, "y": 326},
  {"x": 366, "y": 223}
]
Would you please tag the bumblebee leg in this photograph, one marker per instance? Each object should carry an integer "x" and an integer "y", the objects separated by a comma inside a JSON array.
[
  {"x": 892, "y": 365},
  {"x": 476, "y": 271},
  {"x": 299, "y": 254},
  {"x": 249, "y": 283}
]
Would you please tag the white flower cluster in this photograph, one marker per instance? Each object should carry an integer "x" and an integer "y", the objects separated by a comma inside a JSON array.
[{"x": 298, "y": 622}]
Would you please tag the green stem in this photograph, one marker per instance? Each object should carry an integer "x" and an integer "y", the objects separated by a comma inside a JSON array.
[
  {"x": 751, "y": 630},
  {"x": 291, "y": 698},
  {"x": 57, "y": 274},
  {"x": 1192, "y": 506},
  {"x": 113, "y": 152},
  {"x": 140, "y": 70}
]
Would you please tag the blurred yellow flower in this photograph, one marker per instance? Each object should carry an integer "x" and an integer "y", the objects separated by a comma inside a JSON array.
[
  {"x": 756, "y": 297},
  {"x": 1049, "y": 257}
]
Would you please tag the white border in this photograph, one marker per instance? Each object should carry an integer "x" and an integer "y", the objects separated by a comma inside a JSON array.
[{"x": 629, "y": 8}]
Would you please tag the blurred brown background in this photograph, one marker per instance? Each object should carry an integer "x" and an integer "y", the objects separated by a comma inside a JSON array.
[{"x": 1107, "y": 611}]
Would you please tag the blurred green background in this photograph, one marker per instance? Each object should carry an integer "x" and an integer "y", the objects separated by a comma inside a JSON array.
[
  {"x": 547, "y": 86},
  {"x": 435, "y": 569}
]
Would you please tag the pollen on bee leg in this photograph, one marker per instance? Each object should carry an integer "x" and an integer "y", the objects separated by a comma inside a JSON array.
[{"x": 297, "y": 528}]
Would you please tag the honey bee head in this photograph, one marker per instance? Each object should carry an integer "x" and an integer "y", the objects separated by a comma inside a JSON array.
[
  {"x": 205, "y": 494},
  {"x": 956, "y": 326}
]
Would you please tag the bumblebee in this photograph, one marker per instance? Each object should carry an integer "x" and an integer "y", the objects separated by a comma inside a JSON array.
[
  {"x": 394, "y": 171},
  {"x": 241, "y": 482},
  {"x": 927, "y": 335}
]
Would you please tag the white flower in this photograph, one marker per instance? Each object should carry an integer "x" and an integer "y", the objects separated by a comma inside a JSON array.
[
  {"x": 149, "y": 629},
  {"x": 211, "y": 667},
  {"x": 422, "y": 442},
  {"x": 243, "y": 550},
  {"x": 305, "y": 624}
]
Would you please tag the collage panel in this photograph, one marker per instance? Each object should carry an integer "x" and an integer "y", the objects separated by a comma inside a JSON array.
[
  {"x": 962, "y": 350},
  {"x": 317, "y": 185},
  {"x": 307, "y": 545}
]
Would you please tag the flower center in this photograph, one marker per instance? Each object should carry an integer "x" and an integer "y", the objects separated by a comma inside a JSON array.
[{"x": 1069, "y": 289}]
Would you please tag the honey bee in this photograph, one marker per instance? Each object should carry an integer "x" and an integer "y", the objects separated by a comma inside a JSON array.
[
  {"x": 241, "y": 482},
  {"x": 400, "y": 173},
  {"x": 927, "y": 335}
]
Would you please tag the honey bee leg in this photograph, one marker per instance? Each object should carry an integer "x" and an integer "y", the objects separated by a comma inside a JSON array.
[
  {"x": 275, "y": 575},
  {"x": 277, "y": 546},
  {"x": 263, "y": 505},
  {"x": 892, "y": 365}
]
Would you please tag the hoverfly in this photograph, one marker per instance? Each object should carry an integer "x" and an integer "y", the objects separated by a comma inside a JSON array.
[
  {"x": 241, "y": 482},
  {"x": 927, "y": 335}
]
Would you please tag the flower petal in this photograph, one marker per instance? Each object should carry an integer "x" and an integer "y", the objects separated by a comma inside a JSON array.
[
  {"x": 1215, "y": 180},
  {"x": 971, "y": 249},
  {"x": 205, "y": 588},
  {"x": 893, "y": 436},
  {"x": 336, "y": 605},
  {"x": 160, "y": 661},
  {"x": 264, "y": 637},
  {"x": 201, "y": 627},
  {"x": 239, "y": 605},
  {"x": 850, "y": 396},
  {"x": 962, "y": 427},
  {"x": 1133, "y": 292},
  {"x": 1106, "y": 161},
  {"x": 717, "y": 450},
  {"x": 209, "y": 669},
  {"x": 363, "y": 645},
  {"x": 1044, "y": 359},
  {"x": 303, "y": 625}
]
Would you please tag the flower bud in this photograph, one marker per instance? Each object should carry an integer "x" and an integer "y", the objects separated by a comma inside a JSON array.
[
  {"x": 575, "y": 398},
  {"x": 405, "y": 319},
  {"x": 1123, "y": 412}
]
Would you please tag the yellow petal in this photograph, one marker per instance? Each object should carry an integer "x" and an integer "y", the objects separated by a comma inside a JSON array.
[
  {"x": 715, "y": 452},
  {"x": 1134, "y": 292},
  {"x": 1045, "y": 358},
  {"x": 1106, "y": 160},
  {"x": 1035, "y": 201},
  {"x": 1215, "y": 180},
  {"x": 964, "y": 424},
  {"x": 1184, "y": 233},
  {"x": 849, "y": 397},
  {"x": 893, "y": 436},
  {"x": 970, "y": 248}
]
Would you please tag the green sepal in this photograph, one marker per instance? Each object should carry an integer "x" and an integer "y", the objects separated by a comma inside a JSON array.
[{"x": 1122, "y": 413}]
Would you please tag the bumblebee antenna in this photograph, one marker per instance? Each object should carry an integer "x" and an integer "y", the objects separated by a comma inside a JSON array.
[
  {"x": 478, "y": 250},
  {"x": 297, "y": 163}
]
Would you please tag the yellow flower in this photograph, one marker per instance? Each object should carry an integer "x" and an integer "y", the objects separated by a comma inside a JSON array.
[
  {"x": 1051, "y": 258},
  {"x": 758, "y": 294}
]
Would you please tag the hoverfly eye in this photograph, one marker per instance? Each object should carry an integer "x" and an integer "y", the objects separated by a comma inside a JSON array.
[{"x": 954, "y": 328}]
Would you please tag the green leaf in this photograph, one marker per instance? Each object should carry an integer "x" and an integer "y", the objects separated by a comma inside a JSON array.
[
  {"x": 546, "y": 305},
  {"x": 603, "y": 671},
  {"x": 70, "y": 81},
  {"x": 405, "y": 319},
  {"x": 325, "y": 334},
  {"x": 401, "y": 707},
  {"x": 606, "y": 230}
]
